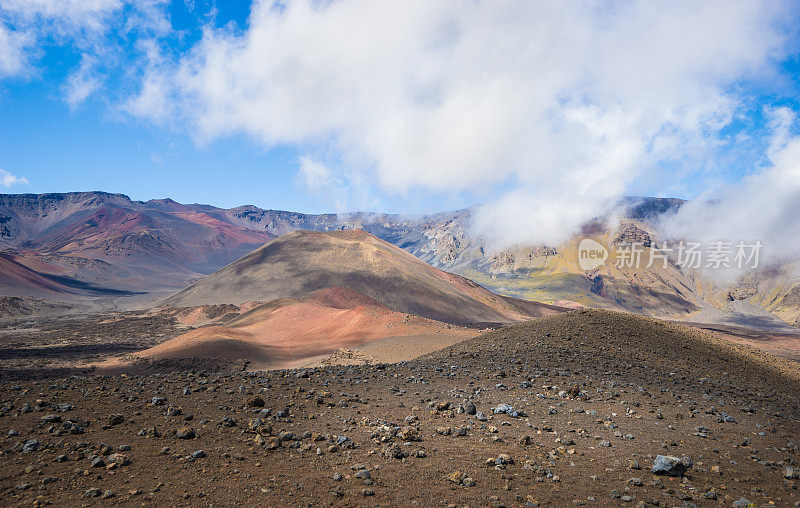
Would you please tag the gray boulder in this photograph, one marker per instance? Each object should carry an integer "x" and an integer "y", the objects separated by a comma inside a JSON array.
[{"x": 671, "y": 466}]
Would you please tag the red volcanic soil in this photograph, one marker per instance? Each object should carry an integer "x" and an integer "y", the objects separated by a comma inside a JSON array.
[
  {"x": 32, "y": 261},
  {"x": 226, "y": 232},
  {"x": 340, "y": 298},
  {"x": 105, "y": 223},
  {"x": 288, "y": 330},
  {"x": 18, "y": 278}
]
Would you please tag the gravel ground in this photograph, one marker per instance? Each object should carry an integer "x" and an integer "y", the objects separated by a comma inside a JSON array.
[{"x": 571, "y": 409}]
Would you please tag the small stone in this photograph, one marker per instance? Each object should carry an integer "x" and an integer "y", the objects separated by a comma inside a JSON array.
[
  {"x": 198, "y": 454},
  {"x": 93, "y": 492},
  {"x": 503, "y": 459},
  {"x": 671, "y": 466},
  {"x": 393, "y": 451},
  {"x": 185, "y": 433},
  {"x": 30, "y": 446},
  {"x": 507, "y": 409},
  {"x": 408, "y": 434},
  {"x": 256, "y": 402},
  {"x": 456, "y": 477},
  {"x": 119, "y": 459}
]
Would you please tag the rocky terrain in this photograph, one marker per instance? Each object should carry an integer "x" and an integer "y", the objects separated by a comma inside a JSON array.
[
  {"x": 582, "y": 408},
  {"x": 60, "y": 345}
]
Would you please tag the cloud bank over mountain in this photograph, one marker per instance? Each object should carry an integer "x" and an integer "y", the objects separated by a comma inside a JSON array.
[
  {"x": 764, "y": 207},
  {"x": 546, "y": 112}
]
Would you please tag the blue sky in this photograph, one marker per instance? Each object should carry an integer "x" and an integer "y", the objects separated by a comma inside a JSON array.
[
  {"x": 59, "y": 148},
  {"x": 419, "y": 128}
]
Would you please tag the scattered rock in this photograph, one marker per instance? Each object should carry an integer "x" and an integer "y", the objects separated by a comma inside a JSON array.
[
  {"x": 393, "y": 451},
  {"x": 185, "y": 433},
  {"x": 507, "y": 409},
  {"x": 671, "y": 466}
]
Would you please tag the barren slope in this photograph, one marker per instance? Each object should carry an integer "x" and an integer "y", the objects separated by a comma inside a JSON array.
[
  {"x": 299, "y": 262},
  {"x": 291, "y": 330}
]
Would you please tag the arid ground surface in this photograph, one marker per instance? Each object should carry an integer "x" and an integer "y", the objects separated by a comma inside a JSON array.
[{"x": 596, "y": 396}]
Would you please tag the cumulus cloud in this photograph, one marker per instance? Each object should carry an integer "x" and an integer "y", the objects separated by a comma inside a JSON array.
[
  {"x": 546, "y": 112},
  {"x": 764, "y": 207},
  {"x": 7, "y": 179},
  {"x": 97, "y": 30},
  {"x": 82, "y": 83},
  {"x": 314, "y": 175},
  {"x": 565, "y": 104},
  {"x": 67, "y": 14},
  {"x": 13, "y": 52},
  {"x": 23, "y": 23}
]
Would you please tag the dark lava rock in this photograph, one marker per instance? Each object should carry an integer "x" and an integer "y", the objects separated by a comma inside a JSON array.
[{"x": 671, "y": 466}]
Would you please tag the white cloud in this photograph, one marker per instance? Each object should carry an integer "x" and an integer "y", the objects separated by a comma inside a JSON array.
[
  {"x": 7, "y": 179},
  {"x": 314, "y": 175},
  {"x": 569, "y": 102},
  {"x": 94, "y": 29},
  {"x": 82, "y": 83},
  {"x": 764, "y": 207},
  {"x": 62, "y": 16},
  {"x": 14, "y": 48},
  {"x": 548, "y": 111}
]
